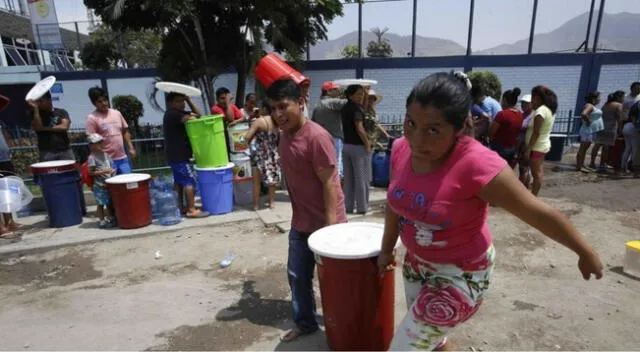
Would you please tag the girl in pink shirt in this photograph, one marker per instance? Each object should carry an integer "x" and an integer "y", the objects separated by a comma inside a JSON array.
[{"x": 441, "y": 184}]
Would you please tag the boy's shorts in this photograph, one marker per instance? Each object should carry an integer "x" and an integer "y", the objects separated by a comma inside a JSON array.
[
  {"x": 102, "y": 195},
  {"x": 183, "y": 174}
]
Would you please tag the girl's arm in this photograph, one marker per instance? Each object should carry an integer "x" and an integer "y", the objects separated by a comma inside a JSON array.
[
  {"x": 256, "y": 126},
  {"x": 537, "y": 125},
  {"x": 586, "y": 114},
  {"x": 506, "y": 191}
]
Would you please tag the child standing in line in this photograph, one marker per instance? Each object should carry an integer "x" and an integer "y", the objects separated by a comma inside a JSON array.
[{"x": 101, "y": 168}]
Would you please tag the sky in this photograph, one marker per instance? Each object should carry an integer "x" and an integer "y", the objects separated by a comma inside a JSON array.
[{"x": 495, "y": 21}]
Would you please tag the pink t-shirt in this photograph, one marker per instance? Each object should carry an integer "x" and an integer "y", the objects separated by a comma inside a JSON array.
[
  {"x": 110, "y": 126},
  {"x": 442, "y": 219},
  {"x": 302, "y": 155}
]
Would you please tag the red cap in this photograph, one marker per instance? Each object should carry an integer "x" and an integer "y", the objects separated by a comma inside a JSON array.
[{"x": 328, "y": 86}]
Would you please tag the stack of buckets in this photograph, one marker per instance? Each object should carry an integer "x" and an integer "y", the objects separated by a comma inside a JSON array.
[
  {"x": 215, "y": 172},
  {"x": 242, "y": 173}
]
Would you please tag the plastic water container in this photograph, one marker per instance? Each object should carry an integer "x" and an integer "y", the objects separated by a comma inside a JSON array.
[
  {"x": 242, "y": 169},
  {"x": 14, "y": 195},
  {"x": 237, "y": 142},
  {"x": 168, "y": 211},
  {"x": 272, "y": 68},
  {"x": 61, "y": 186},
  {"x": 243, "y": 192},
  {"x": 358, "y": 304},
  {"x": 216, "y": 188},
  {"x": 208, "y": 141},
  {"x": 131, "y": 199},
  {"x": 631, "y": 264},
  {"x": 380, "y": 166}
]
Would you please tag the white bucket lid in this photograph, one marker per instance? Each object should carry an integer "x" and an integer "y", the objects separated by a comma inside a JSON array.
[
  {"x": 239, "y": 157},
  {"x": 228, "y": 166},
  {"x": 128, "y": 178},
  {"x": 354, "y": 240},
  {"x": 50, "y": 164}
]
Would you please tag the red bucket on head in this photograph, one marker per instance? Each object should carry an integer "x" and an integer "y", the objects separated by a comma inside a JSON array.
[{"x": 272, "y": 68}]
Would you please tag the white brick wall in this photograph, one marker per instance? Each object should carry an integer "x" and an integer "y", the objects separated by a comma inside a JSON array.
[
  {"x": 564, "y": 80},
  {"x": 395, "y": 85},
  {"x": 617, "y": 77},
  {"x": 319, "y": 77},
  {"x": 75, "y": 100},
  {"x": 230, "y": 81}
]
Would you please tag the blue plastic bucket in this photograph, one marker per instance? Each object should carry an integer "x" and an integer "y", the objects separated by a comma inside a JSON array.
[
  {"x": 216, "y": 189},
  {"x": 60, "y": 184},
  {"x": 380, "y": 165}
]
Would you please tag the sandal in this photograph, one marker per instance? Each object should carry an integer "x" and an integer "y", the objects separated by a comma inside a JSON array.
[
  {"x": 294, "y": 334},
  {"x": 10, "y": 235},
  {"x": 197, "y": 214}
]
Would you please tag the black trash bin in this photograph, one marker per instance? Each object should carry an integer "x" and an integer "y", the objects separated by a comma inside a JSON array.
[{"x": 557, "y": 147}]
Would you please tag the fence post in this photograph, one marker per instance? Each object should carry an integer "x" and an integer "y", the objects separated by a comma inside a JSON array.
[{"x": 569, "y": 129}]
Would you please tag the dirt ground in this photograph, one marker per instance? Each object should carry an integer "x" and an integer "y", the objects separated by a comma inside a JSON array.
[{"x": 118, "y": 296}]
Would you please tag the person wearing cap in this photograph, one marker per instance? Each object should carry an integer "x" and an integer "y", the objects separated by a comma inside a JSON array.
[
  {"x": 327, "y": 114},
  {"x": 101, "y": 167},
  {"x": 8, "y": 226},
  {"x": 51, "y": 126}
]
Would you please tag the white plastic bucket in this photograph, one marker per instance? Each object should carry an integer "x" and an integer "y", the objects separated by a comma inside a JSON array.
[
  {"x": 237, "y": 142},
  {"x": 242, "y": 168},
  {"x": 243, "y": 192},
  {"x": 14, "y": 195}
]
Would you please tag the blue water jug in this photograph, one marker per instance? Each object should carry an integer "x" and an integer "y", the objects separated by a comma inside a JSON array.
[
  {"x": 380, "y": 165},
  {"x": 167, "y": 202}
]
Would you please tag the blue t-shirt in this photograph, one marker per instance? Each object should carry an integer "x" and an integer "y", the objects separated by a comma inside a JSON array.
[
  {"x": 491, "y": 107},
  {"x": 5, "y": 152}
]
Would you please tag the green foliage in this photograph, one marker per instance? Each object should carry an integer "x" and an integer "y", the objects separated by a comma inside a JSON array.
[
  {"x": 108, "y": 49},
  {"x": 203, "y": 38},
  {"x": 350, "y": 52},
  {"x": 488, "y": 82},
  {"x": 98, "y": 55},
  {"x": 131, "y": 109},
  {"x": 380, "y": 47}
]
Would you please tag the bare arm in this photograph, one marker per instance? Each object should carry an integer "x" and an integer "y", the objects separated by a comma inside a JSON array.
[
  {"x": 256, "y": 126},
  {"x": 495, "y": 125},
  {"x": 537, "y": 125},
  {"x": 506, "y": 191},
  {"x": 194, "y": 108},
  {"x": 330, "y": 193},
  {"x": 586, "y": 114}
]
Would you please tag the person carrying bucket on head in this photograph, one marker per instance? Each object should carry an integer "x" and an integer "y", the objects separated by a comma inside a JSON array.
[
  {"x": 308, "y": 161},
  {"x": 52, "y": 126},
  {"x": 178, "y": 151},
  {"x": 8, "y": 225},
  {"x": 101, "y": 167},
  {"x": 111, "y": 125}
]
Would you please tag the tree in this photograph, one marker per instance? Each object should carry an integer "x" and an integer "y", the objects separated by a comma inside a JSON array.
[
  {"x": 380, "y": 47},
  {"x": 108, "y": 49},
  {"x": 131, "y": 109},
  {"x": 350, "y": 52},
  {"x": 99, "y": 55},
  {"x": 488, "y": 82},
  {"x": 203, "y": 38}
]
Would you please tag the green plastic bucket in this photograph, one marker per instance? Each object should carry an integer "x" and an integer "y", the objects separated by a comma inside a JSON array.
[{"x": 206, "y": 135}]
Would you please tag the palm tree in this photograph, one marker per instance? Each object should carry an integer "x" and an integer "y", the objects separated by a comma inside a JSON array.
[{"x": 381, "y": 47}]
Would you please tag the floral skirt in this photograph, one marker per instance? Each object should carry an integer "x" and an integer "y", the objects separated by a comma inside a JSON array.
[{"x": 439, "y": 297}]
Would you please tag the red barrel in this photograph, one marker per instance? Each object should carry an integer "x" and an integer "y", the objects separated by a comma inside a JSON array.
[
  {"x": 130, "y": 196},
  {"x": 357, "y": 304},
  {"x": 272, "y": 68}
]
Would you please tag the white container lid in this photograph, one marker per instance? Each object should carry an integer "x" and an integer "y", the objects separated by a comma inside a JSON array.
[
  {"x": 354, "y": 240},
  {"x": 128, "y": 178},
  {"x": 239, "y": 157},
  {"x": 52, "y": 164},
  {"x": 40, "y": 88},
  {"x": 228, "y": 166}
]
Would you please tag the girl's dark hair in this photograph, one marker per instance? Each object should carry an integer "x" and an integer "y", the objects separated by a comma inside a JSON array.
[
  {"x": 617, "y": 95},
  {"x": 446, "y": 92},
  {"x": 548, "y": 97},
  {"x": 511, "y": 96},
  {"x": 351, "y": 90},
  {"x": 592, "y": 97},
  {"x": 96, "y": 93}
]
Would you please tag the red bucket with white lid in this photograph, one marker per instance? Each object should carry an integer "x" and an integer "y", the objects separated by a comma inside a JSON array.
[
  {"x": 131, "y": 199},
  {"x": 357, "y": 303}
]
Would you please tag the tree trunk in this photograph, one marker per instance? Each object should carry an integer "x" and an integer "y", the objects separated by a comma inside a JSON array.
[{"x": 241, "y": 86}]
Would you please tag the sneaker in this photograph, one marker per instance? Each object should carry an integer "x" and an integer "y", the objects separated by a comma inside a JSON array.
[
  {"x": 112, "y": 223},
  {"x": 103, "y": 224}
]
